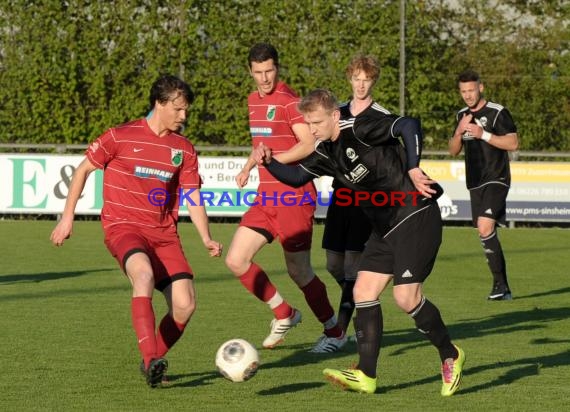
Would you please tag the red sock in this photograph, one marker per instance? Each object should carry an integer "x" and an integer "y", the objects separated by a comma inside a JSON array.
[
  {"x": 168, "y": 333},
  {"x": 316, "y": 297},
  {"x": 256, "y": 281},
  {"x": 143, "y": 322}
]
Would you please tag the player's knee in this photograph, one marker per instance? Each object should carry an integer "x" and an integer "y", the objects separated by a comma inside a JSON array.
[
  {"x": 236, "y": 264},
  {"x": 183, "y": 311},
  {"x": 406, "y": 301}
]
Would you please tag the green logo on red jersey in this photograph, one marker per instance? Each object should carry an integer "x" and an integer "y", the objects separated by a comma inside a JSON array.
[
  {"x": 271, "y": 112},
  {"x": 176, "y": 157}
]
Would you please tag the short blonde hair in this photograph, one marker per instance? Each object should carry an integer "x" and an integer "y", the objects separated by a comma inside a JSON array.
[{"x": 318, "y": 98}]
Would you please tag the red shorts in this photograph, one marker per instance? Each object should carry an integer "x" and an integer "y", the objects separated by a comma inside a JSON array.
[
  {"x": 292, "y": 225},
  {"x": 162, "y": 246}
]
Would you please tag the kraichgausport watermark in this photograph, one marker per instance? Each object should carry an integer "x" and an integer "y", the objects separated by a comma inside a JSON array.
[{"x": 344, "y": 197}]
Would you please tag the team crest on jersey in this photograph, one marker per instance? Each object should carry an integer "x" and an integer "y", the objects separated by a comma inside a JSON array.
[
  {"x": 482, "y": 121},
  {"x": 271, "y": 112},
  {"x": 176, "y": 157},
  {"x": 351, "y": 154}
]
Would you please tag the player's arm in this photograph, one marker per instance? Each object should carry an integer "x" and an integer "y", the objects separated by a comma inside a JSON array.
[
  {"x": 200, "y": 219},
  {"x": 455, "y": 143},
  {"x": 509, "y": 141},
  {"x": 64, "y": 228},
  {"x": 304, "y": 147},
  {"x": 243, "y": 176},
  {"x": 292, "y": 175},
  {"x": 409, "y": 129}
]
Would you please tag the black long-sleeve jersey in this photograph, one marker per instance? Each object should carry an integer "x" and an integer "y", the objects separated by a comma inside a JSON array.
[
  {"x": 369, "y": 157},
  {"x": 485, "y": 163}
]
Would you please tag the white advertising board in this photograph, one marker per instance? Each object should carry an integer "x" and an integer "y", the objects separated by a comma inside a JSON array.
[{"x": 38, "y": 184}]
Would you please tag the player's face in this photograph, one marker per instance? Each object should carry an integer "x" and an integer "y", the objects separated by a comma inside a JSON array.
[
  {"x": 361, "y": 85},
  {"x": 265, "y": 75},
  {"x": 323, "y": 125},
  {"x": 173, "y": 113},
  {"x": 471, "y": 93}
]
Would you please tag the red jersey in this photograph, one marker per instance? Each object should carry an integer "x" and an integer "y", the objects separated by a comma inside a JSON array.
[
  {"x": 271, "y": 120},
  {"x": 140, "y": 168}
]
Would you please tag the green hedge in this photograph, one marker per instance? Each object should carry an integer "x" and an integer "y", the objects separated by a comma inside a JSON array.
[{"x": 70, "y": 69}]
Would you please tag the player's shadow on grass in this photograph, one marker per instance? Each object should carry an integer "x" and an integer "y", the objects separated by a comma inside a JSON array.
[
  {"x": 560, "y": 291},
  {"x": 503, "y": 323},
  {"x": 516, "y": 370},
  {"x": 45, "y": 276},
  {"x": 192, "y": 380}
]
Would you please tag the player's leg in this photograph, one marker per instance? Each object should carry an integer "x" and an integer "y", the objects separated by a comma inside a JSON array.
[
  {"x": 495, "y": 258},
  {"x": 315, "y": 293},
  {"x": 488, "y": 206},
  {"x": 181, "y": 300},
  {"x": 239, "y": 259},
  {"x": 416, "y": 246},
  {"x": 139, "y": 271},
  {"x": 369, "y": 330},
  {"x": 335, "y": 262},
  {"x": 294, "y": 226}
]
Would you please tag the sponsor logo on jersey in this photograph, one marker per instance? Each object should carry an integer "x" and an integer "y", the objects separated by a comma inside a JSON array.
[
  {"x": 260, "y": 131},
  {"x": 176, "y": 157},
  {"x": 358, "y": 173},
  {"x": 271, "y": 112},
  {"x": 149, "y": 172}
]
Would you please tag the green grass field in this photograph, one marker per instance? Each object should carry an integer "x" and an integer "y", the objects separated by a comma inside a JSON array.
[{"x": 68, "y": 345}]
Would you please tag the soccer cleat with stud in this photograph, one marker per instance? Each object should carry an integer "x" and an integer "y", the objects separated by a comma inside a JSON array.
[
  {"x": 155, "y": 371},
  {"x": 500, "y": 292},
  {"x": 329, "y": 344},
  {"x": 165, "y": 380},
  {"x": 351, "y": 379},
  {"x": 280, "y": 327},
  {"x": 451, "y": 373}
]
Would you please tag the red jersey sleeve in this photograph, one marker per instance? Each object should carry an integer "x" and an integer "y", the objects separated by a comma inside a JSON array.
[
  {"x": 102, "y": 150},
  {"x": 189, "y": 175}
]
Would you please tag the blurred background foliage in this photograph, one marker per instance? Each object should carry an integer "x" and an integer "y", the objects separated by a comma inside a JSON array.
[{"x": 70, "y": 69}]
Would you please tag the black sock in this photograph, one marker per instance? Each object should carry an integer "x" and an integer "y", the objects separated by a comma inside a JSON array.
[
  {"x": 495, "y": 258},
  {"x": 346, "y": 306},
  {"x": 369, "y": 327},
  {"x": 429, "y": 323}
]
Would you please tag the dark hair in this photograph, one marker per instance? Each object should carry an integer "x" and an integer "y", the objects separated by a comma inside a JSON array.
[
  {"x": 261, "y": 52},
  {"x": 318, "y": 98},
  {"x": 468, "y": 76},
  {"x": 169, "y": 87}
]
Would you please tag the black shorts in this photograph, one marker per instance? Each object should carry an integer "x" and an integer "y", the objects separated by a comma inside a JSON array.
[
  {"x": 346, "y": 228},
  {"x": 408, "y": 252},
  {"x": 489, "y": 201}
]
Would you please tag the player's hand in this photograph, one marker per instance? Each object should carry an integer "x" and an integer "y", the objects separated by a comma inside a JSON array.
[
  {"x": 242, "y": 178},
  {"x": 422, "y": 182},
  {"x": 262, "y": 154},
  {"x": 465, "y": 124},
  {"x": 62, "y": 231},
  {"x": 215, "y": 249}
]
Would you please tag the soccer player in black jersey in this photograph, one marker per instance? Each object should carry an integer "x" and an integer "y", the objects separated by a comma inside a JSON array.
[
  {"x": 487, "y": 132},
  {"x": 346, "y": 227},
  {"x": 366, "y": 155}
]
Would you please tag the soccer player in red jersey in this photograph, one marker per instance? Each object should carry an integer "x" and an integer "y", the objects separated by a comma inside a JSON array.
[
  {"x": 280, "y": 211},
  {"x": 147, "y": 165}
]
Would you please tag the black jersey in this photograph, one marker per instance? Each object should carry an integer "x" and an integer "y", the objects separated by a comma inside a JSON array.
[
  {"x": 485, "y": 163},
  {"x": 346, "y": 115},
  {"x": 369, "y": 157}
]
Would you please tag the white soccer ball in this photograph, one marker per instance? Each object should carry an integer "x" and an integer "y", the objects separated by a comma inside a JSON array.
[{"x": 237, "y": 360}]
